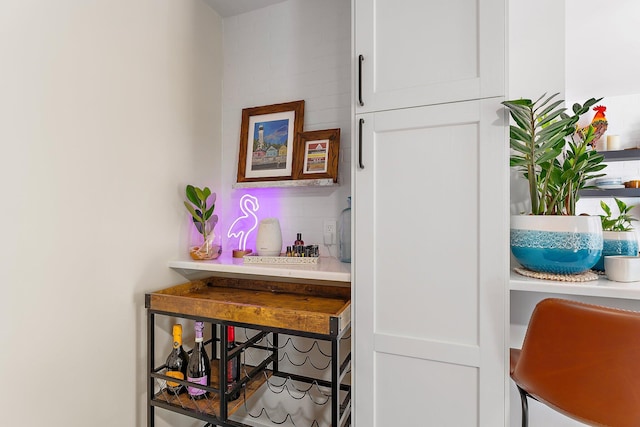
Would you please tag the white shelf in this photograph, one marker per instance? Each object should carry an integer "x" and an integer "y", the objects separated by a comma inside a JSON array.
[
  {"x": 325, "y": 182},
  {"x": 327, "y": 269},
  {"x": 602, "y": 287}
]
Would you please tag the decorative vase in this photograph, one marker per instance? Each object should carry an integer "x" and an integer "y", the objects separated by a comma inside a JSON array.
[
  {"x": 555, "y": 243},
  {"x": 201, "y": 248},
  {"x": 617, "y": 243},
  {"x": 269, "y": 238}
]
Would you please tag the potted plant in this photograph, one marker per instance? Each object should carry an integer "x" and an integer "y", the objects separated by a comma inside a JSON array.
[
  {"x": 618, "y": 235},
  {"x": 200, "y": 203},
  {"x": 557, "y": 163}
]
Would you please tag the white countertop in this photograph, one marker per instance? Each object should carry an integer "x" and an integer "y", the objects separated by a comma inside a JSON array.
[
  {"x": 327, "y": 269},
  {"x": 602, "y": 287}
]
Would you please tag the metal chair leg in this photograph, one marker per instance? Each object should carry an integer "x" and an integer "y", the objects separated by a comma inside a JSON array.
[{"x": 525, "y": 407}]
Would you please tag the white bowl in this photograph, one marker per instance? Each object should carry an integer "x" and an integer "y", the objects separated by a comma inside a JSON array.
[{"x": 622, "y": 268}]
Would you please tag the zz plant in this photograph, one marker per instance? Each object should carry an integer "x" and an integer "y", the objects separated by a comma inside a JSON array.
[
  {"x": 546, "y": 152},
  {"x": 620, "y": 223}
]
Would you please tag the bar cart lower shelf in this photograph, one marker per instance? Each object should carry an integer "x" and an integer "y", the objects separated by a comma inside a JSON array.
[{"x": 272, "y": 315}]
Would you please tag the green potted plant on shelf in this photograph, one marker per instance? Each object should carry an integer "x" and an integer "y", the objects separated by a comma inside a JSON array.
[
  {"x": 200, "y": 203},
  {"x": 618, "y": 235},
  {"x": 557, "y": 163}
]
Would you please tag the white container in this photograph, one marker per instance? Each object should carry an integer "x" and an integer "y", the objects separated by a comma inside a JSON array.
[
  {"x": 622, "y": 268},
  {"x": 269, "y": 238}
]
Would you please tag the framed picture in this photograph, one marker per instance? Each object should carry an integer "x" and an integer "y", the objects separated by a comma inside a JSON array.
[
  {"x": 316, "y": 154},
  {"x": 267, "y": 138}
]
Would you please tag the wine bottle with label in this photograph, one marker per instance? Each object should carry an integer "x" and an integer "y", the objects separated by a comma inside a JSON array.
[
  {"x": 177, "y": 362},
  {"x": 233, "y": 364},
  {"x": 199, "y": 367}
]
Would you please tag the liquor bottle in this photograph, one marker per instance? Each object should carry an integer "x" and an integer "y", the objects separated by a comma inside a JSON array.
[
  {"x": 233, "y": 365},
  {"x": 177, "y": 362},
  {"x": 299, "y": 241},
  {"x": 199, "y": 368}
]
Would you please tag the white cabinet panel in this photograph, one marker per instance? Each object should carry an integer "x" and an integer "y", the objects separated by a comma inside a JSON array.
[
  {"x": 417, "y": 52},
  {"x": 406, "y": 396},
  {"x": 431, "y": 263},
  {"x": 418, "y": 294}
]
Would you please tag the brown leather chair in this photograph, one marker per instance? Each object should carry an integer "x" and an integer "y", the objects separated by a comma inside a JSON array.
[{"x": 583, "y": 361}]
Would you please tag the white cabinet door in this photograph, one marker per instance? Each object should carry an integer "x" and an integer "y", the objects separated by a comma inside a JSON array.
[
  {"x": 420, "y": 52},
  {"x": 431, "y": 266}
]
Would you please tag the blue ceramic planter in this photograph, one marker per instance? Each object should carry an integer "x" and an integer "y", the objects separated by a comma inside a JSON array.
[
  {"x": 617, "y": 243},
  {"x": 556, "y": 244}
]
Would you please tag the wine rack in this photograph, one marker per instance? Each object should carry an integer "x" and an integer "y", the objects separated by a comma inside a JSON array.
[{"x": 294, "y": 345}]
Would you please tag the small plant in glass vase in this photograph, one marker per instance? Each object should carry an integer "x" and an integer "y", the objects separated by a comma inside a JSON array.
[
  {"x": 618, "y": 235},
  {"x": 200, "y": 204},
  {"x": 557, "y": 163}
]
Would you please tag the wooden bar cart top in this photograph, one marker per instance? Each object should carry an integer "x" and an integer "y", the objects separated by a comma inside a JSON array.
[{"x": 310, "y": 308}]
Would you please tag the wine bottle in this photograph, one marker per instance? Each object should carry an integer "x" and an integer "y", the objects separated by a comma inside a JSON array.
[
  {"x": 199, "y": 368},
  {"x": 233, "y": 364},
  {"x": 177, "y": 362}
]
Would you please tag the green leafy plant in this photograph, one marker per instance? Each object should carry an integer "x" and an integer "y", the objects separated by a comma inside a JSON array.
[
  {"x": 544, "y": 150},
  {"x": 620, "y": 223},
  {"x": 201, "y": 208}
]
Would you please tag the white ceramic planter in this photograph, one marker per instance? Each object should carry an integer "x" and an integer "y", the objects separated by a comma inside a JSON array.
[{"x": 556, "y": 244}]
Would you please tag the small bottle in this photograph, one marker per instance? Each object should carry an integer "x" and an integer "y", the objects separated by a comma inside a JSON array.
[
  {"x": 199, "y": 367},
  {"x": 344, "y": 236},
  {"x": 233, "y": 365},
  {"x": 177, "y": 362},
  {"x": 299, "y": 241}
]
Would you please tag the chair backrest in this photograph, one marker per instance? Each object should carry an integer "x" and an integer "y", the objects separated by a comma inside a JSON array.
[{"x": 583, "y": 360}]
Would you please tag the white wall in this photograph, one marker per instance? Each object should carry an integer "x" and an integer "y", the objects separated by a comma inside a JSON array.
[
  {"x": 286, "y": 52},
  {"x": 108, "y": 109},
  {"x": 536, "y": 48},
  {"x": 536, "y": 65}
]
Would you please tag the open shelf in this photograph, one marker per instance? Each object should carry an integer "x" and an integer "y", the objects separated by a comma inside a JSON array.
[
  {"x": 615, "y": 156},
  {"x": 327, "y": 182},
  {"x": 602, "y": 287}
]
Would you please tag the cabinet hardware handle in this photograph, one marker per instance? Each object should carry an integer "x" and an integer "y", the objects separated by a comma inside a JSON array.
[
  {"x": 360, "y": 123},
  {"x": 360, "y": 60}
]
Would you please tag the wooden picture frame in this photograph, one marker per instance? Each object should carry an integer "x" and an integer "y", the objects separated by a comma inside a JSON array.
[
  {"x": 267, "y": 140},
  {"x": 316, "y": 154}
]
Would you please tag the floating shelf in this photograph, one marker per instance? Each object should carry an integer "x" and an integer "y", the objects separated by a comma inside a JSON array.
[
  {"x": 621, "y": 155},
  {"x": 326, "y": 269},
  {"x": 328, "y": 182},
  {"x": 616, "y": 192}
]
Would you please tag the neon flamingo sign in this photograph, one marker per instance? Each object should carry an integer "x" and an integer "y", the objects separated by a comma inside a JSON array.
[{"x": 242, "y": 227}]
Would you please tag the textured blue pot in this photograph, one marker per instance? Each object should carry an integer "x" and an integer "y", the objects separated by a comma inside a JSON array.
[
  {"x": 617, "y": 243},
  {"x": 556, "y": 244}
]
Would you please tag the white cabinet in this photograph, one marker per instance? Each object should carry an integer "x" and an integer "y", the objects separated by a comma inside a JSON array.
[
  {"x": 420, "y": 52},
  {"x": 430, "y": 267}
]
